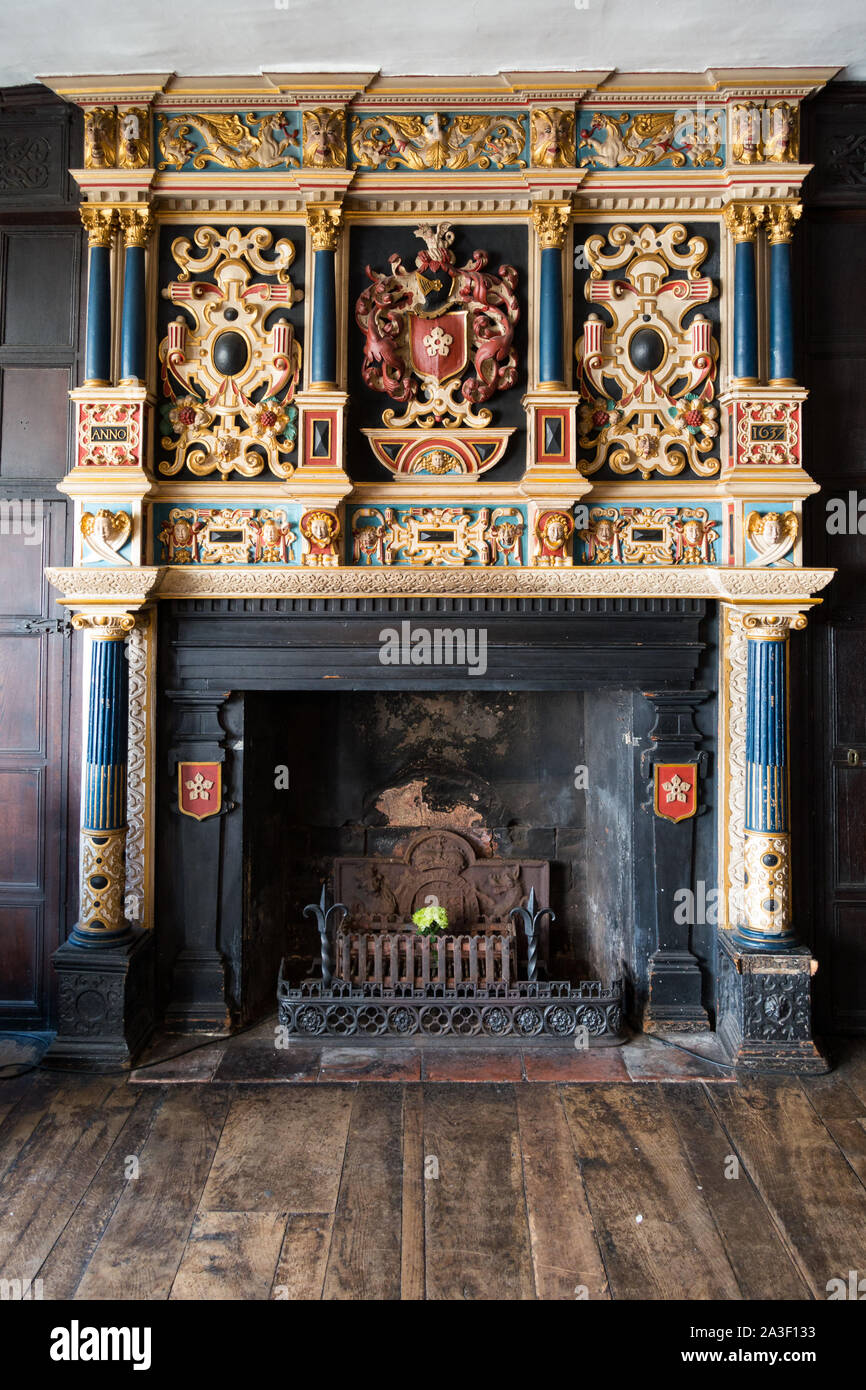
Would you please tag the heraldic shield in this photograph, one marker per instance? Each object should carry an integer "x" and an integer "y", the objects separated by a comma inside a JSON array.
[{"x": 438, "y": 346}]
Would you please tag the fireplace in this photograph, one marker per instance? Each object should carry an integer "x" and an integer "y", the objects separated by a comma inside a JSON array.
[{"x": 535, "y": 769}]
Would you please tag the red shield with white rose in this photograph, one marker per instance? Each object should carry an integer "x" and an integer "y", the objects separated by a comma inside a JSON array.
[
  {"x": 199, "y": 789},
  {"x": 438, "y": 347},
  {"x": 675, "y": 790}
]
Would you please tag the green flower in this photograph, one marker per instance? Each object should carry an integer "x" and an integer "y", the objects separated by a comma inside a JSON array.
[{"x": 430, "y": 920}]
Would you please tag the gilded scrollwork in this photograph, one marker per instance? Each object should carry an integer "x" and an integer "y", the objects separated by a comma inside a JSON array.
[
  {"x": 225, "y": 139},
  {"x": 234, "y": 410},
  {"x": 650, "y": 536},
  {"x": 647, "y": 383},
  {"x": 227, "y": 536},
  {"x": 433, "y": 141}
]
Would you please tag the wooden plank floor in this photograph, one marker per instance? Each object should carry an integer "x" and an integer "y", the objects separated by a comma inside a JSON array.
[{"x": 414, "y": 1190}]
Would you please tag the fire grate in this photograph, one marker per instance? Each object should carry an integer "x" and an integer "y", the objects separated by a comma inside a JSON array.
[{"x": 518, "y": 1011}]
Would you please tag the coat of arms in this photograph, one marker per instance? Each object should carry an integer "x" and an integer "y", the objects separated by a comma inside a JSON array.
[{"x": 439, "y": 340}]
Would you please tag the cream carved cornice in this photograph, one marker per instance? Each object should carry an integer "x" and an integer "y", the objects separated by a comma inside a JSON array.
[{"x": 749, "y": 587}]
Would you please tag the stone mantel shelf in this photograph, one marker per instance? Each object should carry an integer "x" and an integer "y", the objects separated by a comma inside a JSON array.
[{"x": 132, "y": 588}]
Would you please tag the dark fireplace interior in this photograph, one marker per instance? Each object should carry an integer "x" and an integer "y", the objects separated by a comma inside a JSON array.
[{"x": 542, "y": 775}]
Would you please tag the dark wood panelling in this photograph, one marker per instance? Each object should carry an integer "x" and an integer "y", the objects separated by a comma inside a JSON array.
[
  {"x": 34, "y": 425},
  {"x": 41, "y": 268},
  {"x": 19, "y": 938},
  {"x": 832, "y": 788},
  {"x": 20, "y": 682},
  {"x": 20, "y": 813}
]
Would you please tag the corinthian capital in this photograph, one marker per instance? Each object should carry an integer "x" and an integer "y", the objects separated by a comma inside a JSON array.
[
  {"x": 551, "y": 223},
  {"x": 325, "y": 221},
  {"x": 137, "y": 224},
  {"x": 744, "y": 219},
  {"x": 99, "y": 222},
  {"x": 780, "y": 221}
]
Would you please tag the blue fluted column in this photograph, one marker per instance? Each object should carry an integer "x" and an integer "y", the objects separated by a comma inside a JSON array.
[
  {"x": 101, "y": 920},
  {"x": 100, "y": 223},
  {"x": 767, "y": 850},
  {"x": 136, "y": 225},
  {"x": 324, "y": 221},
  {"x": 551, "y": 225},
  {"x": 781, "y": 219},
  {"x": 743, "y": 220}
]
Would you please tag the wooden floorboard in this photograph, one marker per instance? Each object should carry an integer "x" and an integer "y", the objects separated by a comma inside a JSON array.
[
  {"x": 282, "y": 1149},
  {"x": 566, "y": 1260},
  {"x": 815, "y": 1199},
  {"x": 376, "y": 1191},
  {"x": 657, "y": 1235},
  {"x": 42, "y": 1187},
  {"x": 142, "y": 1246},
  {"x": 364, "y": 1260},
  {"x": 476, "y": 1231}
]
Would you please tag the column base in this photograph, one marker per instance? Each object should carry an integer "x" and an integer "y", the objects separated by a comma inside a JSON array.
[
  {"x": 675, "y": 994},
  {"x": 764, "y": 1010},
  {"x": 106, "y": 999},
  {"x": 198, "y": 1001}
]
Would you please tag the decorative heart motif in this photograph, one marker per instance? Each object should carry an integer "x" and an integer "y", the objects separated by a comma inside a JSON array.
[
  {"x": 772, "y": 535},
  {"x": 106, "y": 533}
]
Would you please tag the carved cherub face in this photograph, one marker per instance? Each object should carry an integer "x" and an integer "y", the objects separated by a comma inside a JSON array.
[
  {"x": 552, "y": 137},
  {"x": 181, "y": 532},
  {"x": 693, "y": 532},
  {"x": 771, "y": 528},
  {"x": 554, "y": 532},
  {"x": 324, "y": 138},
  {"x": 270, "y": 532},
  {"x": 604, "y": 531}
]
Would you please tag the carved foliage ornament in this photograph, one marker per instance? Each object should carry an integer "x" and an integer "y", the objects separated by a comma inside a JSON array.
[
  {"x": 253, "y": 142},
  {"x": 435, "y": 141},
  {"x": 237, "y": 368},
  {"x": 647, "y": 382},
  {"x": 644, "y": 139},
  {"x": 422, "y": 326},
  {"x": 24, "y": 162}
]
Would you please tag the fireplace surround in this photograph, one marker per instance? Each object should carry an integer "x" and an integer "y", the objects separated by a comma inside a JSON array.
[{"x": 411, "y": 392}]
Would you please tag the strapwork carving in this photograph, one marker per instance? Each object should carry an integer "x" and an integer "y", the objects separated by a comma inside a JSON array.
[
  {"x": 647, "y": 381},
  {"x": 238, "y": 366}
]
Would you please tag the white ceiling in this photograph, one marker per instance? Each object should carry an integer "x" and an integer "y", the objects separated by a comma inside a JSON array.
[{"x": 403, "y": 36}]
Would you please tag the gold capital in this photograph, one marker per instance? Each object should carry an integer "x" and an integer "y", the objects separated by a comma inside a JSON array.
[
  {"x": 780, "y": 221},
  {"x": 744, "y": 219},
  {"x": 325, "y": 221},
  {"x": 99, "y": 222},
  {"x": 137, "y": 224},
  {"x": 110, "y": 627},
  {"x": 551, "y": 223},
  {"x": 774, "y": 626}
]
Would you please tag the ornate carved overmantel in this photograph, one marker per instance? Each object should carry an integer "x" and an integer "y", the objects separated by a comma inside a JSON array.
[{"x": 492, "y": 338}]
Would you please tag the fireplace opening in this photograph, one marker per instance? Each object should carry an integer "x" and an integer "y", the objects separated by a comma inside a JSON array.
[{"x": 469, "y": 798}]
